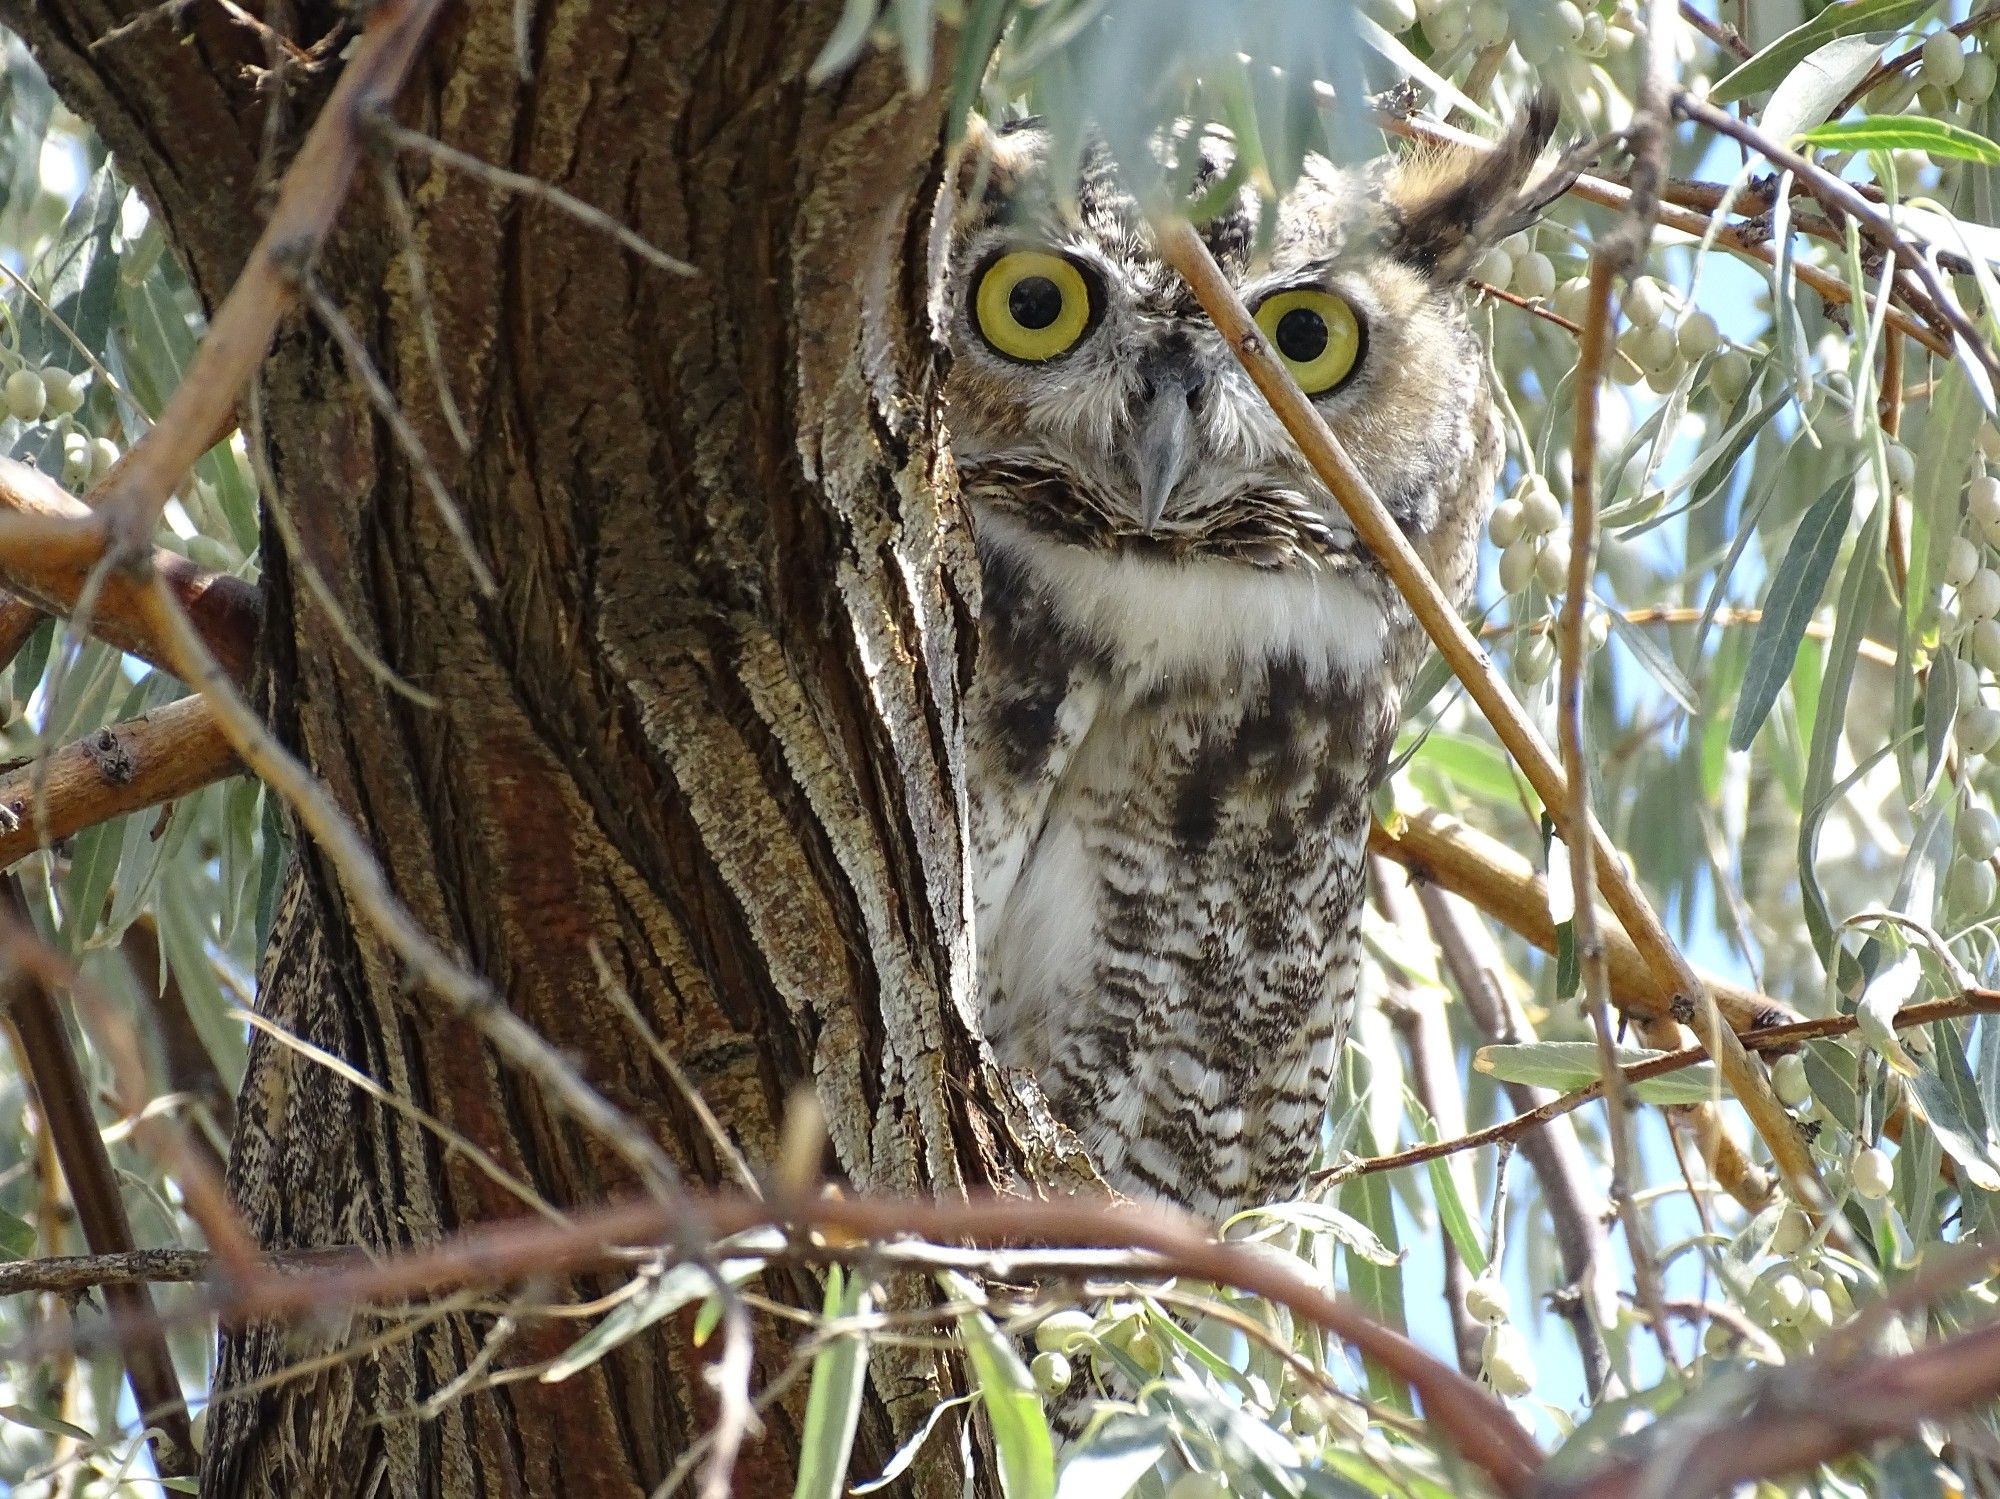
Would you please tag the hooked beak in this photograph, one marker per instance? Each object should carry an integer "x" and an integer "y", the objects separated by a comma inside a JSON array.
[{"x": 1162, "y": 446}]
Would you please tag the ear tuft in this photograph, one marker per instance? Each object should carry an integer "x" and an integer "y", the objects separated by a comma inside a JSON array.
[
  {"x": 992, "y": 162},
  {"x": 1447, "y": 206}
]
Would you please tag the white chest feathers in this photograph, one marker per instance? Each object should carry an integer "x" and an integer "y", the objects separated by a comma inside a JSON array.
[{"x": 1160, "y": 622}]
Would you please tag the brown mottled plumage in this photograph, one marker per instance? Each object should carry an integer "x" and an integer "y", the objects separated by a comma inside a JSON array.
[{"x": 1190, "y": 671}]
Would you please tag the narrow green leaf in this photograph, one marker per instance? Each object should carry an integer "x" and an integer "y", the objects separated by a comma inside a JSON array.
[
  {"x": 1111, "y": 1460},
  {"x": 1865, "y": 580},
  {"x": 1564, "y": 1065},
  {"x": 676, "y": 1287},
  {"x": 1020, "y": 1427},
  {"x": 21, "y": 1415},
  {"x": 1452, "y": 1212},
  {"x": 845, "y": 42},
  {"x": 1843, "y": 18},
  {"x": 1475, "y": 766},
  {"x": 1794, "y": 594},
  {"x": 1948, "y": 1098},
  {"x": 1317, "y": 1217},
  {"x": 907, "y": 1453},
  {"x": 1658, "y": 664},
  {"x": 17, "y": 1236},
  {"x": 1375, "y": 1287},
  {"x": 1569, "y": 965},
  {"x": 833, "y": 1407},
  {"x": 1906, "y": 133}
]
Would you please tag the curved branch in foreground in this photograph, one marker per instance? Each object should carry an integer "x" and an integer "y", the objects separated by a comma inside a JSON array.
[
  {"x": 127, "y": 767},
  {"x": 843, "y": 1229},
  {"x": 226, "y": 611}
]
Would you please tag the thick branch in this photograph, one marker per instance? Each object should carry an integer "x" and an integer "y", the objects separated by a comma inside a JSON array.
[
  {"x": 1440, "y": 850},
  {"x": 225, "y": 610},
  {"x": 127, "y": 767}
]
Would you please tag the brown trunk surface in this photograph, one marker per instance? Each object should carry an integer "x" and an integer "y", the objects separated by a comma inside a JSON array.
[{"x": 708, "y": 727}]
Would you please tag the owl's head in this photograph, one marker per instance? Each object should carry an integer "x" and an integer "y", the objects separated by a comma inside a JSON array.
[{"x": 1091, "y": 400}]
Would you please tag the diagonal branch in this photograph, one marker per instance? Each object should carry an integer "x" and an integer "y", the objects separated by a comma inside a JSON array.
[
  {"x": 64, "y": 1100},
  {"x": 1440, "y": 850},
  {"x": 310, "y": 197}
]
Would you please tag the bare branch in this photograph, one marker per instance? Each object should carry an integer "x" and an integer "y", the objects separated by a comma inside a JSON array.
[
  {"x": 308, "y": 200},
  {"x": 227, "y": 612},
  {"x": 63, "y": 1098},
  {"x": 402, "y": 138},
  {"x": 154, "y": 758}
]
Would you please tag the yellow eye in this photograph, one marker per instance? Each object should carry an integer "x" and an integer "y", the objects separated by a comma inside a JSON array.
[
  {"x": 1315, "y": 333},
  {"x": 1032, "y": 306}
]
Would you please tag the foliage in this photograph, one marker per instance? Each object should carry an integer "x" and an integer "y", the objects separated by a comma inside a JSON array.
[{"x": 1795, "y": 626}]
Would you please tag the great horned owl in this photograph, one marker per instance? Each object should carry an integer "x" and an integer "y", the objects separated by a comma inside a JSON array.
[{"x": 1189, "y": 670}]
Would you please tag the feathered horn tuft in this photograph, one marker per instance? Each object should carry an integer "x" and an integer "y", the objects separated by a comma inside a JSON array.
[{"x": 1446, "y": 206}]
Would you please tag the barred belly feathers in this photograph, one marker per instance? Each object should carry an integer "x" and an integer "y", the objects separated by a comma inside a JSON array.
[{"x": 1189, "y": 671}]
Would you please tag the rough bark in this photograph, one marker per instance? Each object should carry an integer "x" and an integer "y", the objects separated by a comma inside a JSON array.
[{"x": 707, "y": 727}]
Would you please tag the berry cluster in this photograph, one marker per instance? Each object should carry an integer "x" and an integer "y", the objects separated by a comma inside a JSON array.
[{"x": 53, "y": 395}]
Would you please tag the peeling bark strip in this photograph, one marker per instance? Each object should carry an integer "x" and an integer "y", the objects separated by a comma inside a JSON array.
[{"x": 708, "y": 727}]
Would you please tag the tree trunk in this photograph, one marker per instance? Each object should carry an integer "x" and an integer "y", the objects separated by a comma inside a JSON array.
[{"x": 707, "y": 727}]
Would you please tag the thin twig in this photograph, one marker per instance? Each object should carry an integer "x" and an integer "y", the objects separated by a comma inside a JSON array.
[
  {"x": 1723, "y": 36},
  {"x": 731, "y": 1379},
  {"x": 279, "y": 512},
  {"x": 402, "y": 138},
  {"x": 1613, "y": 254},
  {"x": 1616, "y": 254},
  {"x": 383, "y": 399},
  {"x": 1779, "y": 1038},
  {"x": 1418, "y": 1019},
  {"x": 314, "y": 188},
  {"x": 1555, "y": 1154},
  {"x": 1840, "y": 198},
  {"x": 1605, "y": 193}
]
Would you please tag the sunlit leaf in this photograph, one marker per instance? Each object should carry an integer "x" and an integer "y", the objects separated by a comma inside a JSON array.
[
  {"x": 1769, "y": 65},
  {"x": 1906, "y": 133}
]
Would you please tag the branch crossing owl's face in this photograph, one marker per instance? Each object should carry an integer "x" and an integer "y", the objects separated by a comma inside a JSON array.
[{"x": 1092, "y": 400}]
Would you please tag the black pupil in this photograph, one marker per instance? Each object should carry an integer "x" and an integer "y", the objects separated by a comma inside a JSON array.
[
  {"x": 1301, "y": 335},
  {"x": 1035, "y": 301}
]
